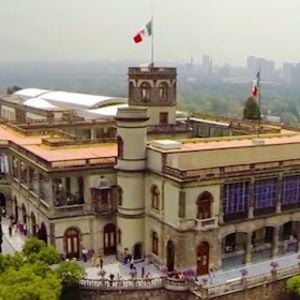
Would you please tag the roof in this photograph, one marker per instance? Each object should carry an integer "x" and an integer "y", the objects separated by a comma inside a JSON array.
[
  {"x": 234, "y": 142},
  {"x": 110, "y": 110},
  {"x": 31, "y": 93},
  {"x": 40, "y": 104},
  {"x": 68, "y": 100}
]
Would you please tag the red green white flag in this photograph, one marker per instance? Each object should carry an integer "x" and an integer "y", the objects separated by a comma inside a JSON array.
[{"x": 146, "y": 31}]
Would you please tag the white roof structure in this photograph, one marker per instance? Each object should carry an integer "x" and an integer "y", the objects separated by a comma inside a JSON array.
[
  {"x": 109, "y": 111},
  {"x": 30, "y": 93},
  {"x": 40, "y": 103},
  {"x": 74, "y": 101}
]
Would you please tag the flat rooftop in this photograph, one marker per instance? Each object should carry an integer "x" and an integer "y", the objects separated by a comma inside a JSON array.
[{"x": 192, "y": 145}]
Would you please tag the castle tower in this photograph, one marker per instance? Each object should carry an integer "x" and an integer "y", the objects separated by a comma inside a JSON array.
[
  {"x": 131, "y": 164},
  {"x": 154, "y": 88}
]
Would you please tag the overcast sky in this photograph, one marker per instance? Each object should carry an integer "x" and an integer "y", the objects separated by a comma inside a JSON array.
[{"x": 85, "y": 30}]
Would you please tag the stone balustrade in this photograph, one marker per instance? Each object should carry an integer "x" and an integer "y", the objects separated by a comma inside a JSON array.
[{"x": 206, "y": 224}]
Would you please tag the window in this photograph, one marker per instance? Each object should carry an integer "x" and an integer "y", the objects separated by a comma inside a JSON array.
[
  {"x": 236, "y": 197},
  {"x": 163, "y": 118},
  {"x": 145, "y": 91},
  {"x": 120, "y": 147},
  {"x": 155, "y": 197},
  {"x": 119, "y": 236},
  {"x": 291, "y": 189},
  {"x": 203, "y": 205},
  {"x": 181, "y": 213},
  {"x": 155, "y": 243},
  {"x": 120, "y": 196},
  {"x": 265, "y": 193},
  {"x": 163, "y": 91}
]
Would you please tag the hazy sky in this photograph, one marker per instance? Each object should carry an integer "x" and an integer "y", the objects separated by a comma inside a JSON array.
[{"x": 229, "y": 30}]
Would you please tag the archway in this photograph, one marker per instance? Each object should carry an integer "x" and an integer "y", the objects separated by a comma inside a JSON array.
[
  {"x": 16, "y": 210},
  {"x": 72, "y": 243},
  {"x": 42, "y": 234},
  {"x": 234, "y": 249},
  {"x": 2, "y": 204},
  {"x": 289, "y": 236},
  {"x": 170, "y": 256},
  {"x": 262, "y": 243},
  {"x": 109, "y": 239},
  {"x": 204, "y": 201},
  {"x": 202, "y": 258},
  {"x": 33, "y": 224},
  {"x": 137, "y": 251}
]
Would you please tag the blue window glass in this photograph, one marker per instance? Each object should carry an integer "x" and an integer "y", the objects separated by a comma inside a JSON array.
[
  {"x": 265, "y": 193},
  {"x": 291, "y": 189},
  {"x": 236, "y": 196}
]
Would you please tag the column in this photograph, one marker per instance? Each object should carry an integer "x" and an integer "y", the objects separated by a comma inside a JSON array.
[
  {"x": 248, "y": 248},
  {"x": 275, "y": 241},
  {"x": 221, "y": 213},
  {"x": 38, "y": 191},
  {"x": 278, "y": 202},
  {"x": 251, "y": 199},
  {"x": 28, "y": 177}
]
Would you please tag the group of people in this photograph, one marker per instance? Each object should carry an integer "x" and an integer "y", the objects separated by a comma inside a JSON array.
[{"x": 17, "y": 227}]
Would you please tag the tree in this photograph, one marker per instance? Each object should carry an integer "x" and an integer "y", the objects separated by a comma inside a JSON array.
[
  {"x": 251, "y": 109},
  {"x": 293, "y": 285},
  {"x": 70, "y": 274}
]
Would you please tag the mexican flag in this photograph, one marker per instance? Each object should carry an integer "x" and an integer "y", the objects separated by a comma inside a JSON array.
[
  {"x": 255, "y": 86},
  {"x": 143, "y": 33}
]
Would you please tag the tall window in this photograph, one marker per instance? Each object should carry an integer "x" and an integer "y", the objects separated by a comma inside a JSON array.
[
  {"x": 163, "y": 91},
  {"x": 120, "y": 196},
  {"x": 236, "y": 197},
  {"x": 119, "y": 236},
  {"x": 120, "y": 147},
  {"x": 265, "y": 193},
  {"x": 291, "y": 189},
  {"x": 204, "y": 205},
  {"x": 155, "y": 197},
  {"x": 155, "y": 242},
  {"x": 145, "y": 91}
]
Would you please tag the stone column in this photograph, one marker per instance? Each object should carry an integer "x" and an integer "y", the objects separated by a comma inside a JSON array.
[
  {"x": 28, "y": 177},
  {"x": 275, "y": 241},
  {"x": 221, "y": 212},
  {"x": 248, "y": 248},
  {"x": 278, "y": 202},
  {"x": 38, "y": 191},
  {"x": 251, "y": 199}
]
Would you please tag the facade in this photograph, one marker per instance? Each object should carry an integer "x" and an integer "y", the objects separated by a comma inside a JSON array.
[{"x": 152, "y": 191}]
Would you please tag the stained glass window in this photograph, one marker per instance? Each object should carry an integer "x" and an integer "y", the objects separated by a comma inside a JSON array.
[
  {"x": 236, "y": 196},
  {"x": 291, "y": 189},
  {"x": 265, "y": 193}
]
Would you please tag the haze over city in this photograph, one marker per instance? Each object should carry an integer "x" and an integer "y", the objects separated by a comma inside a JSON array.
[{"x": 229, "y": 31}]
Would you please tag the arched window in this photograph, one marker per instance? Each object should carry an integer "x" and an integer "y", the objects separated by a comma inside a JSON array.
[
  {"x": 120, "y": 196},
  {"x": 155, "y": 197},
  {"x": 120, "y": 147},
  {"x": 119, "y": 236},
  {"x": 145, "y": 91},
  {"x": 163, "y": 91},
  {"x": 204, "y": 205},
  {"x": 155, "y": 243}
]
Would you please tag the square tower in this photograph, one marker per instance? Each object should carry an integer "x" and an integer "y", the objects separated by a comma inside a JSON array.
[{"x": 155, "y": 89}]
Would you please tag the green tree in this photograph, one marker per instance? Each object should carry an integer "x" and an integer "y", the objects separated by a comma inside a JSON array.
[
  {"x": 293, "y": 285},
  {"x": 33, "y": 245},
  {"x": 251, "y": 109},
  {"x": 70, "y": 274}
]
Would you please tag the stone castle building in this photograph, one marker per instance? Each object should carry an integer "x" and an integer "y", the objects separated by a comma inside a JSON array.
[{"x": 138, "y": 177}]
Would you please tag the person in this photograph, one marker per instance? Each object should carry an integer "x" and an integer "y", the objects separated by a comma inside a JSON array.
[
  {"x": 10, "y": 230},
  {"x": 101, "y": 262},
  {"x": 211, "y": 275},
  {"x": 25, "y": 229},
  {"x": 111, "y": 278},
  {"x": 97, "y": 261},
  {"x": 131, "y": 266},
  {"x": 142, "y": 271},
  {"x": 84, "y": 252}
]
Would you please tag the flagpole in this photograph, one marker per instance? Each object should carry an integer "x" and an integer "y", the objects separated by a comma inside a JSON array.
[
  {"x": 259, "y": 102},
  {"x": 152, "y": 41}
]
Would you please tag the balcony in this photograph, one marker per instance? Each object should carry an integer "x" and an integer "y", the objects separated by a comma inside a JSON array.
[
  {"x": 69, "y": 211},
  {"x": 206, "y": 224}
]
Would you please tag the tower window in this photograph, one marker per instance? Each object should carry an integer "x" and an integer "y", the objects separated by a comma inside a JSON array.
[
  {"x": 155, "y": 197},
  {"x": 145, "y": 91},
  {"x": 120, "y": 147},
  {"x": 163, "y": 91},
  {"x": 163, "y": 118},
  {"x": 155, "y": 243}
]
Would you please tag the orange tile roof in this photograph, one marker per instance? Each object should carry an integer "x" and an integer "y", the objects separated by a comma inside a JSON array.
[
  {"x": 78, "y": 152},
  {"x": 35, "y": 146}
]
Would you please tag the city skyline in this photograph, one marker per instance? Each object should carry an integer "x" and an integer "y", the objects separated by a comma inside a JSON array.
[{"x": 102, "y": 30}]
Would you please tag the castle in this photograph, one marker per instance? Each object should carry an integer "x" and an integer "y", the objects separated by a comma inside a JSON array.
[{"x": 136, "y": 177}]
